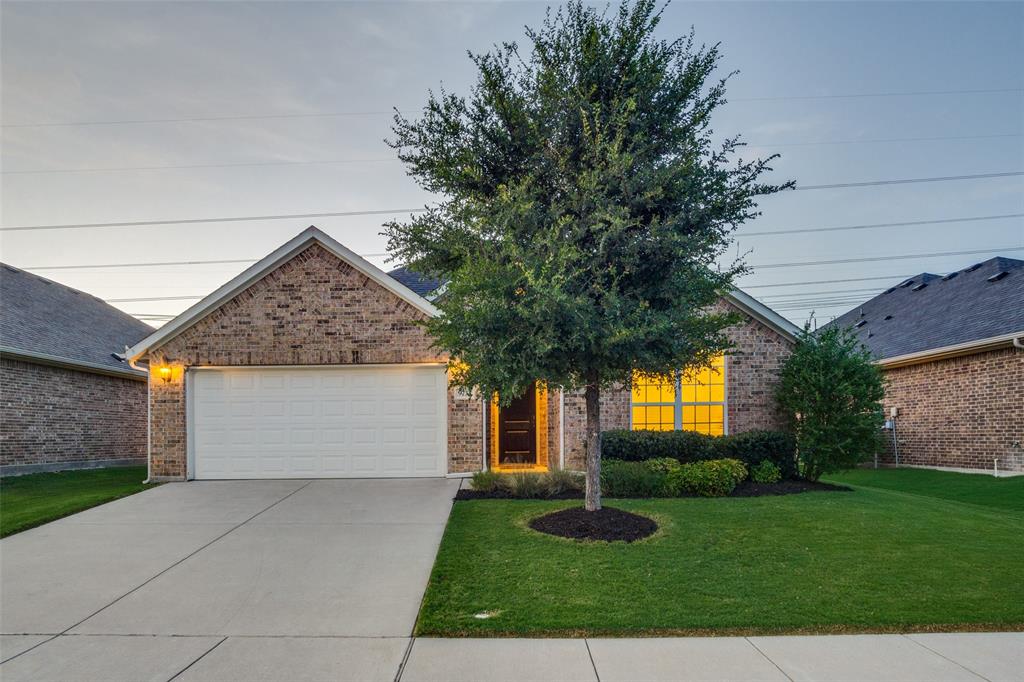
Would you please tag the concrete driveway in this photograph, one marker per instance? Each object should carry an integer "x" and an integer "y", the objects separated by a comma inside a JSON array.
[{"x": 224, "y": 580}]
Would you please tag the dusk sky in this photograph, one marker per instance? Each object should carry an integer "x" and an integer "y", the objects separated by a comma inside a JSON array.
[{"x": 281, "y": 108}]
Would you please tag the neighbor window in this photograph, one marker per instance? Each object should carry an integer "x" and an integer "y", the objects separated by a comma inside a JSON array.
[{"x": 693, "y": 400}]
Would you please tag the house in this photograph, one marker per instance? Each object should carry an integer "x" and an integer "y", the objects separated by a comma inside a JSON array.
[
  {"x": 65, "y": 401},
  {"x": 952, "y": 351},
  {"x": 312, "y": 363}
]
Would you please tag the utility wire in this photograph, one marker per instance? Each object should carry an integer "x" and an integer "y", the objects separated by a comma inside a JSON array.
[
  {"x": 384, "y": 112},
  {"x": 895, "y": 278},
  {"x": 883, "y": 140},
  {"x": 874, "y": 225},
  {"x": 193, "y": 221},
  {"x": 906, "y": 181},
  {"x": 755, "y": 267}
]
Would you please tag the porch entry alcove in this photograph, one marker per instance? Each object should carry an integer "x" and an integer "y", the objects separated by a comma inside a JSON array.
[{"x": 518, "y": 432}]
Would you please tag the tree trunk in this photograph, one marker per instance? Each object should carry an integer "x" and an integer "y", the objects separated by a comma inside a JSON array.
[{"x": 593, "y": 399}]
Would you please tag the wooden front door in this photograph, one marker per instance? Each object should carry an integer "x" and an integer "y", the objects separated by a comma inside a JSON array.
[{"x": 517, "y": 430}]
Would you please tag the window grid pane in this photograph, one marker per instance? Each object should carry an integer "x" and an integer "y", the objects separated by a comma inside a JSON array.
[{"x": 699, "y": 401}]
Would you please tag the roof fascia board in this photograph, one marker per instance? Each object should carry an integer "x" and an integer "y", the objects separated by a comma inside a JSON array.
[
  {"x": 955, "y": 350},
  {"x": 264, "y": 266},
  {"x": 69, "y": 363},
  {"x": 762, "y": 313}
]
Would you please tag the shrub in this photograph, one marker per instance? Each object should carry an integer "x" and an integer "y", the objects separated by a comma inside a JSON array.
[
  {"x": 662, "y": 465},
  {"x": 526, "y": 486},
  {"x": 631, "y": 479},
  {"x": 712, "y": 478},
  {"x": 765, "y": 472},
  {"x": 559, "y": 481},
  {"x": 486, "y": 481},
  {"x": 750, "y": 447},
  {"x": 832, "y": 392}
]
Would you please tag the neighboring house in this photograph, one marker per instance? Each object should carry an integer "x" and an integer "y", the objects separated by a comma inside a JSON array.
[
  {"x": 312, "y": 363},
  {"x": 65, "y": 401},
  {"x": 951, "y": 350}
]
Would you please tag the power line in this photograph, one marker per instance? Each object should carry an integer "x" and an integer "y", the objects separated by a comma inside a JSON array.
[
  {"x": 193, "y": 221},
  {"x": 385, "y": 112},
  {"x": 878, "y": 258},
  {"x": 152, "y": 298},
  {"x": 755, "y": 267},
  {"x": 874, "y": 225},
  {"x": 895, "y": 278},
  {"x": 195, "y": 165},
  {"x": 907, "y": 181},
  {"x": 258, "y": 164}
]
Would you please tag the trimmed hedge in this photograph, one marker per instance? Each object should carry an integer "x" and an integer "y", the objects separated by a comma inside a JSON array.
[{"x": 749, "y": 447}]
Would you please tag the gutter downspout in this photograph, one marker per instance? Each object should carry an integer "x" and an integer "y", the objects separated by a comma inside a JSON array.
[{"x": 149, "y": 418}]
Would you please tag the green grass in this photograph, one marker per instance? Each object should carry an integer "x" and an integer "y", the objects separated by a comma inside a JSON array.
[
  {"x": 984, "y": 490},
  {"x": 34, "y": 499},
  {"x": 867, "y": 560}
]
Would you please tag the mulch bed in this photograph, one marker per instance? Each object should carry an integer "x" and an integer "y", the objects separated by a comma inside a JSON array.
[
  {"x": 607, "y": 524},
  {"x": 744, "y": 489}
]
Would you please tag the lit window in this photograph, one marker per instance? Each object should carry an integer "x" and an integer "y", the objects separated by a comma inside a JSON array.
[{"x": 693, "y": 400}]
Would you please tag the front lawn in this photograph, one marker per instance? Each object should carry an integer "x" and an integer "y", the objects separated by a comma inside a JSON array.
[
  {"x": 867, "y": 560},
  {"x": 34, "y": 499},
  {"x": 988, "y": 491}
]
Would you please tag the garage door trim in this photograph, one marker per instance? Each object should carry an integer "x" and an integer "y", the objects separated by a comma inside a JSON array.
[{"x": 189, "y": 387}]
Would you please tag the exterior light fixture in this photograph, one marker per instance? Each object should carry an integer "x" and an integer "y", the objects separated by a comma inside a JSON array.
[{"x": 165, "y": 373}]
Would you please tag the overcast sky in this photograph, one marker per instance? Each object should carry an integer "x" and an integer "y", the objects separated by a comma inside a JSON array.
[{"x": 951, "y": 74}]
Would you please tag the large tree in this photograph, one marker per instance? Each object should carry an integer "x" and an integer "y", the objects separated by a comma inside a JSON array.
[{"x": 583, "y": 207}]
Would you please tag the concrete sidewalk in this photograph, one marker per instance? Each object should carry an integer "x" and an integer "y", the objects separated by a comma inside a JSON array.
[{"x": 996, "y": 657}]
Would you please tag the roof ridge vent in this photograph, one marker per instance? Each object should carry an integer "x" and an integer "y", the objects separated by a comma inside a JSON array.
[
  {"x": 973, "y": 267},
  {"x": 950, "y": 276},
  {"x": 998, "y": 276},
  {"x": 920, "y": 286},
  {"x": 889, "y": 290},
  {"x": 906, "y": 283}
]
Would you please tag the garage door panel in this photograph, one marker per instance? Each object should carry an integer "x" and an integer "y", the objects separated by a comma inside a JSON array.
[{"x": 318, "y": 422}]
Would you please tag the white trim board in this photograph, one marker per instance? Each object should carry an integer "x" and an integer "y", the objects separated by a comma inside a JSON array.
[{"x": 264, "y": 266}]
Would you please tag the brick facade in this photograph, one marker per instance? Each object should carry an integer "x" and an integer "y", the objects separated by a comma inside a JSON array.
[
  {"x": 752, "y": 369},
  {"x": 314, "y": 309},
  {"x": 959, "y": 412},
  {"x": 55, "y": 418}
]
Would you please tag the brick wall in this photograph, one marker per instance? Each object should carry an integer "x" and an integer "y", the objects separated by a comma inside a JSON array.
[
  {"x": 752, "y": 370},
  {"x": 959, "y": 412},
  {"x": 66, "y": 418},
  {"x": 315, "y": 309}
]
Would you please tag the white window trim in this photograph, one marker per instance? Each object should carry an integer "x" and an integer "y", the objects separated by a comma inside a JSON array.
[{"x": 678, "y": 404}]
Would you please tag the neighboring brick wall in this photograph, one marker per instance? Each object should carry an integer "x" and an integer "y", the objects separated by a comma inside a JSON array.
[
  {"x": 752, "y": 370},
  {"x": 312, "y": 310},
  {"x": 960, "y": 412},
  {"x": 58, "y": 416}
]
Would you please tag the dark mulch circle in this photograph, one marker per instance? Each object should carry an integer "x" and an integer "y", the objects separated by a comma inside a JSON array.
[
  {"x": 788, "y": 486},
  {"x": 608, "y": 524}
]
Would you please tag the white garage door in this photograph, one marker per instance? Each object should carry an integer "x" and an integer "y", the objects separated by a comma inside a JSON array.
[{"x": 337, "y": 422}]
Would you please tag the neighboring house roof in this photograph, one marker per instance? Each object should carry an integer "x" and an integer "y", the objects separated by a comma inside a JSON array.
[
  {"x": 265, "y": 265},
  {"x": 928, "y": 312},
  {"x": 46, "y": 321},
  {"x": 425, "y": 286}
]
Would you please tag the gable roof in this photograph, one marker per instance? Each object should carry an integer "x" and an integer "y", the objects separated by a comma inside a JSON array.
[
  {"x": 255, "y": 272},
  {"x": 425, "y": 285},
  {"x": 46, "y": 321},
  {"x": 929, "y": 311}
]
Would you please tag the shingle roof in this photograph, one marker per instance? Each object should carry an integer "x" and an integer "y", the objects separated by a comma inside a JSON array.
[
  {"x": 40, "y": 316},
  {"x": 421, "y": 284},
  {"x": 968, "y": 305}
]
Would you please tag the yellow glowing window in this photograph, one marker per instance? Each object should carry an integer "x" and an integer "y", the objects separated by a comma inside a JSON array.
[{"x": 692, "y": 400}]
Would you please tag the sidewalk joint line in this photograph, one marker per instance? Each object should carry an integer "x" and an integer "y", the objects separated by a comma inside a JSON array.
[
  {"x": 201, "y": 656},
  {"x": 767, "y": 658},
  {"x": 405, "y": 659},
  {"x": 956, "y": 663},
  {"x": 185, "y": 558},
  {"x": 597, "y": 675}
]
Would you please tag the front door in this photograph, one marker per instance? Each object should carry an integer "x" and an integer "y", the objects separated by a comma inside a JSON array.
[{"x": 517, "y": 430}]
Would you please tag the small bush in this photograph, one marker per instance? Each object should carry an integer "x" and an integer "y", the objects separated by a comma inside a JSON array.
[
  {"x": 765, "y": 472},
  {"x": 560, "y": 481},
  {"x": 631, "y": 479},
  {"x": 662, "y": 465},
  {"x": 486, "y": 481},
  {"x": 749, "y": 447},
  {"x": 713, "y": 478},
  {"x": 525, "y": 486}
]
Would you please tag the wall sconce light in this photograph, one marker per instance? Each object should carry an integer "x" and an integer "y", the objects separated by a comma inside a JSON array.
[{"x": 165, "y": 373}]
